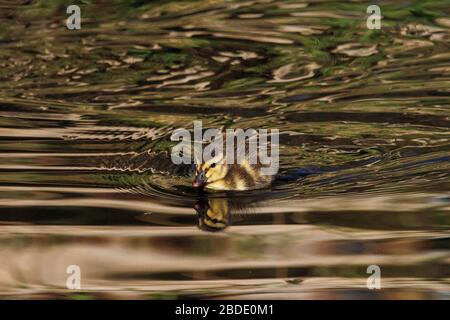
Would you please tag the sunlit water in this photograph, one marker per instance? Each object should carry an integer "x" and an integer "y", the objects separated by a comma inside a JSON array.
[{"x": 85, "y": 172}]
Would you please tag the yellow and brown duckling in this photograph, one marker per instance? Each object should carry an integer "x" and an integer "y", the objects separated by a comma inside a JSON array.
[{"x": 216, "y": 174}]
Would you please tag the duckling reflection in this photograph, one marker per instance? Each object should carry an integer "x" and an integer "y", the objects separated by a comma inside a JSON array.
[
  {"x": 217, "y": 211},
  {"x": 213, "y": 214}
]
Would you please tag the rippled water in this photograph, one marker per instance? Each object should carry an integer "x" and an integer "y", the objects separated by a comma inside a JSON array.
[{"x": 86, "y": 179}]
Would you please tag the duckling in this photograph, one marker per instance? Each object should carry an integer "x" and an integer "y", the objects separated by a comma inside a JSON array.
[{"x": 216, "y": 174}]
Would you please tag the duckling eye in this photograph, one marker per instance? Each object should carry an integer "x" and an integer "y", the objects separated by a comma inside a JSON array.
[{"x": 213, "y": 165}]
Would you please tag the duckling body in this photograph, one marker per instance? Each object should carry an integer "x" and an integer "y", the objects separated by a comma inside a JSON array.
[{"x": 241, "y": 177}]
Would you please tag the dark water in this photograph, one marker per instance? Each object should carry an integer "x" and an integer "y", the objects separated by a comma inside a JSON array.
[{"x": 86, "y": 178}]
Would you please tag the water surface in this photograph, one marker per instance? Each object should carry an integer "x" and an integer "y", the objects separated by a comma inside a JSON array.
[{"x": 85, "y": 172}]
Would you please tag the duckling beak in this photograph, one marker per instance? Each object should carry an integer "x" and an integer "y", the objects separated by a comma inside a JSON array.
[{"x": 199, "y": 180}]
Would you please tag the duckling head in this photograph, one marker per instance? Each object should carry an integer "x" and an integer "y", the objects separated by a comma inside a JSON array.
[{"x": 210, "y": 172}]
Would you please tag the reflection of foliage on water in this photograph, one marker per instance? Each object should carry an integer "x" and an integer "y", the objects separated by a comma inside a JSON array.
[{"x": 162, "y": 64}]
